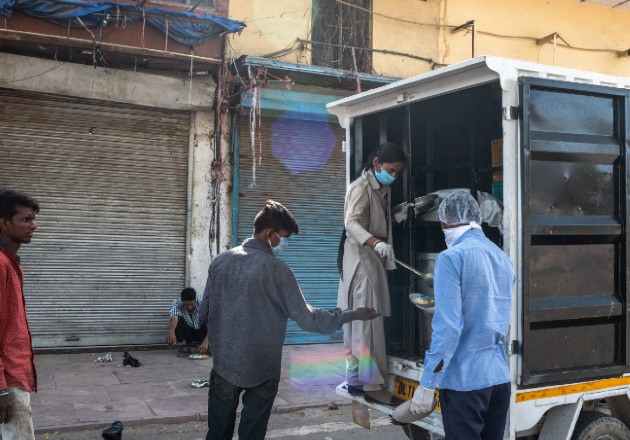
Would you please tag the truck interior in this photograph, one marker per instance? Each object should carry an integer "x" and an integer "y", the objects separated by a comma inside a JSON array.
[
  {"x": 449, "y": 141},
  {"x": 574, "y": 204}
]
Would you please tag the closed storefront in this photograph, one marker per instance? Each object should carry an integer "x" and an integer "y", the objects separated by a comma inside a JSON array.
[
  {"x": 296, "y": 159},
  {"x": 112, "y": 181}
]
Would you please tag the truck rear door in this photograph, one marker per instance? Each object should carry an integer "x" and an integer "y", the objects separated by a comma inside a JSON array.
[{"x": 575, "y": 248}]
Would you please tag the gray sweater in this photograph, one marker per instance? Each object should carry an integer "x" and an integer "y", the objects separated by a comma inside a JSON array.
[{"x": 249, "y": 296}]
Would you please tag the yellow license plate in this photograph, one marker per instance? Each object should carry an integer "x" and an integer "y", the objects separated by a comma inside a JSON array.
[{"x": 404, "y": 389}]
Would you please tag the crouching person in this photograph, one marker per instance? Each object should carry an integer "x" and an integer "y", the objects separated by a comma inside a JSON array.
[{"x": 186, "y": 325}]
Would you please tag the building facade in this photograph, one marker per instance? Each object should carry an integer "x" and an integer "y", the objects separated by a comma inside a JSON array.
[
  {"x": 295, "y": 56},
  {"x": 107, "y": 116},
  {"x": 153, "y": 138}
]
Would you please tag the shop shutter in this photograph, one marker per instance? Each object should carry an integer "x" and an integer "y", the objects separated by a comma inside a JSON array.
[
  {"x": 109, "y": 253},
  {"x": 302, "y": 166}
]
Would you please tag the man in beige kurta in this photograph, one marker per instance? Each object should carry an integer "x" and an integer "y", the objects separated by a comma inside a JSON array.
[{"x": 364, "y": 282}]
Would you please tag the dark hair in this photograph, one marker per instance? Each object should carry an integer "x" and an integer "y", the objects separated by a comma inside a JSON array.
[
  {"x": 188, "y": 294},
  {"x": 11, "y": 199},
  {"x": 386, "y": 152},
  {"x": 274, "y": 215}
]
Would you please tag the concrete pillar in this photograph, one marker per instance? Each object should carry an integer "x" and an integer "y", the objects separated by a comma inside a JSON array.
[{"x": 202, "y": 211}]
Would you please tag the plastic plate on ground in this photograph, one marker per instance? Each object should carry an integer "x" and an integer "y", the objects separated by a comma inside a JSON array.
[
  {"x": 198, "y": 356},
  {"x": 422, "y": 301}
]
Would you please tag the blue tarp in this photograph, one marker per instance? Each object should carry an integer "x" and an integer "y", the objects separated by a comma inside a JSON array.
[{"x": 65, "y": 12}]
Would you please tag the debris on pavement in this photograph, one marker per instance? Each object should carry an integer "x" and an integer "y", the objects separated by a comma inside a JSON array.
[
  {"x": 106, "y": 358},
  {"x": 114, "y": 432},
  {"x": 200, "y": 383}
]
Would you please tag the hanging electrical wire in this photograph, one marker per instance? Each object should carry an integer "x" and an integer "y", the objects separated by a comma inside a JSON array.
[
  {"x": 384, "y": 51},
  {"x": 481, "y": 32}
]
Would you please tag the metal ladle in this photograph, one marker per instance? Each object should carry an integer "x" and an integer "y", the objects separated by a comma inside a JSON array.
[{"x": 427, "y": 277}]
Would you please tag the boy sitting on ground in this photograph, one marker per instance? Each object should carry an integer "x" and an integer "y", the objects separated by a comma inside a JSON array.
[{"x": 186, "y": 326}]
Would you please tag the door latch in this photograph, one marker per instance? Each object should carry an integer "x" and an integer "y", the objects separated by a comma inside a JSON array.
[{"x": 510, "y": 113}]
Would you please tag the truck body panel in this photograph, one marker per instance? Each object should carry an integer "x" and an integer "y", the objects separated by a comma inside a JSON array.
[{"x": 551, "y": 145}]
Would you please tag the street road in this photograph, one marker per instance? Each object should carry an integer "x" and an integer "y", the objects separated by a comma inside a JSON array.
[{"x": 306, "y": 424}]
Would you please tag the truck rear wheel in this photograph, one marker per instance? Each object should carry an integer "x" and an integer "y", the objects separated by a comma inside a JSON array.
[
  {"x": 414, "y": 432},
  {"x": 593, "y": 425}
]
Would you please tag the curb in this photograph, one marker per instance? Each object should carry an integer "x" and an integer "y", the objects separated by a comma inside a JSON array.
[{"x": 176, "y": 420}]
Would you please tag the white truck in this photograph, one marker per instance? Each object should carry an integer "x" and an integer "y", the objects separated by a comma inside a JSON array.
[{"x": 552, "y": 145}]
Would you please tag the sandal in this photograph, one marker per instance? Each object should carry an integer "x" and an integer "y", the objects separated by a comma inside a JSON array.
[{"x": 184, "y": 351}]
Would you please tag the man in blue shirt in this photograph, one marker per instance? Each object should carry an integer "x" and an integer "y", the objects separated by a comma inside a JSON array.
[{"x": 473, "y": 300}]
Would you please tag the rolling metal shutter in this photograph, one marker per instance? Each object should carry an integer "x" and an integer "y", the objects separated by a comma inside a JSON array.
[
  {"x": 302, "y": 167},
  {"x": 109, "y": 253}
]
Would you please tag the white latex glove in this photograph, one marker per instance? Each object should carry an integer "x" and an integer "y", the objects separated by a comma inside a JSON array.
[
  {"x": 423, "y": 401},
  {"x": 384, "y": 250},
  {"x": 403, "y": 214}
]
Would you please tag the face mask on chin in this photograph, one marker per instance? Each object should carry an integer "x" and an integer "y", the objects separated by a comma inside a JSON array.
[
  {"x": 281, "y": 247},
  {"x": 452, "y": 234}
]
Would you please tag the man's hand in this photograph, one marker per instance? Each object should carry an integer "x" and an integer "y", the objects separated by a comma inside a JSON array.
[
  {"x": 6, "y": 409},
  {"x": 171, "y": 339},
  {"x": 365, "y": 313},
  {"x": 203, "y": 348},
  {"x": 423, "y": 401}
]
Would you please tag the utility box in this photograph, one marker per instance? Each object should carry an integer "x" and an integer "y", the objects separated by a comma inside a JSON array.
[{"x": 549, "y": 147}]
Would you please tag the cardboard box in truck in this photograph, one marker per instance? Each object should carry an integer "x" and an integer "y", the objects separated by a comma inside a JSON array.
[{"x": 561, "y": 211}]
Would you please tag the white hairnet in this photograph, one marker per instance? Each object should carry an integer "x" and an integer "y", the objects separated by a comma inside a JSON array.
[{"x": 459, "y": 208}]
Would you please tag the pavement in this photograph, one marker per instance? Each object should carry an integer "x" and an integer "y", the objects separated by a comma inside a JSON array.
[{"x": 75, "y": 392}]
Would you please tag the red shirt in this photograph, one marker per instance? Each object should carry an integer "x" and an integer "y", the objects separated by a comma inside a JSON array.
[{"x": 17, "y": 363}]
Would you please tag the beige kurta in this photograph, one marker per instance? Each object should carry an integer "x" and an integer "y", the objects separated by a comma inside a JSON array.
[
  {"x": 364, "y": 282},
  {"x": 367, "y": 213}
]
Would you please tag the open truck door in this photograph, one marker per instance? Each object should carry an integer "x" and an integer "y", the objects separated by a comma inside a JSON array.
[{"x": 575, "y": 247}]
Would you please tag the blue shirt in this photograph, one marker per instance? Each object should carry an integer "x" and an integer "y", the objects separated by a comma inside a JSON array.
[{"x": 473, "y": 301}]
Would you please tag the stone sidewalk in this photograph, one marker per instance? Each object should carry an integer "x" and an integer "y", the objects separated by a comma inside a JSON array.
[{"x": 74, "y": 392}]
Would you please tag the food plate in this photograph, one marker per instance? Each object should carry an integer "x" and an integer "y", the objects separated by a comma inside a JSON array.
[
  {"x": 198, "y": 356},
  {"x": 422, "y": 301}
]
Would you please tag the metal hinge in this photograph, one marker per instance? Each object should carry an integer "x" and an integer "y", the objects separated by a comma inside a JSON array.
[
  {"x": 510, "y": 113},
  {"x": 513, "y": 347}
]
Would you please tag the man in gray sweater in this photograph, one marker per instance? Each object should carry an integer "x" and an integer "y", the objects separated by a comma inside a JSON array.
[{"x": 249, "y": 297}]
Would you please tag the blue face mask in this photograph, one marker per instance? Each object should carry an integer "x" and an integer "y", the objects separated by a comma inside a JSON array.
[
  {"x": 282, "y": 246},
  {"x": 384, "y": 177}
]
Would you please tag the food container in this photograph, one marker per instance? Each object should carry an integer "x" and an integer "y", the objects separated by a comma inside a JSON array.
[
  {"x": 425, "y": 262},
  {"x": 424, "y": 203}
]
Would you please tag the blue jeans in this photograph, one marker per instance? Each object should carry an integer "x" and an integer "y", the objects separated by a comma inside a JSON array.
[
  {"x": 475, "y": 415},
  {"x": 223, "y": 398}
]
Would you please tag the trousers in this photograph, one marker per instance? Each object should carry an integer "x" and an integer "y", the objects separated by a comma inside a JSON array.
[
  {"x": 223, "y": 400},
  {"x": 20, "y": 427},
  {"x": 475, "y": 415},
  {"x": 191, "y": 335}
]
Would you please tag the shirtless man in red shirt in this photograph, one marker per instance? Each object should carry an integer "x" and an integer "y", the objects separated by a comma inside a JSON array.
[{"x": 17, "y": 366}]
